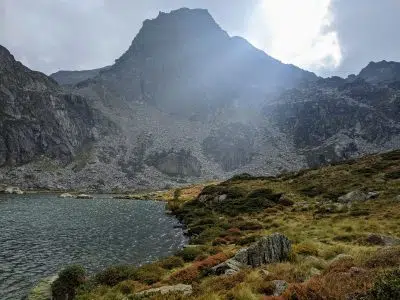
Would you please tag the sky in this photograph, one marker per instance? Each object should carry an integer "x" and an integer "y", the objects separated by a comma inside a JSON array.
[{"x": 328, "y": 37}]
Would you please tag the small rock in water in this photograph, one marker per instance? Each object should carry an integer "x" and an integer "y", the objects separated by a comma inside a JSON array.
[
  {"x": 13, "y": 190},
  {"x": 66, "y": 195},
  {"x": 84, "y": 196}
]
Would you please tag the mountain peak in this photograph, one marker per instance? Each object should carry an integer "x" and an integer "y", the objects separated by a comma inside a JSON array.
[
  {"x": 182, "y": 23},
  {"x": 380, "y": 72}
]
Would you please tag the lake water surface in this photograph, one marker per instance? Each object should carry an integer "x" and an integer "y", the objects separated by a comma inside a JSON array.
[{"x": 39, "y": 234}]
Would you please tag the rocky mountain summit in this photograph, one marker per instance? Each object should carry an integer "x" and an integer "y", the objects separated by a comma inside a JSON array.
[{"x": 191, "y": 103}]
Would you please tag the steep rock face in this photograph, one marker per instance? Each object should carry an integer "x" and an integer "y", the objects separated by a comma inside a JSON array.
[
  {"x": 333, "y": 119},
  {"x": 269, "y": 249},
  {"x": 185, "y": 84},
  {"x": 36, "y": 118}
]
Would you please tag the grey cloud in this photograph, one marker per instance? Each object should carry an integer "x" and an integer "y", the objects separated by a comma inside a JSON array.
[{"x": 368, "y": 30}]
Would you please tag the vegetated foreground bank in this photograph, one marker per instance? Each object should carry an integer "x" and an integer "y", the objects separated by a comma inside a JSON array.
[{"x": 342, "y": 222}]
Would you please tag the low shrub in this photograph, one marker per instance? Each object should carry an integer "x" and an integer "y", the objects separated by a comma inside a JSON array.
[
  {"x": 149, "y": 274},
  {"x": 358, "y": 212},
  {"x": 387, "y": 287},
  {"x": 260, "y": 193},
  {"x": 284, "y": 201},
  {"x": 384, "y": 258},
  {"x": 220, "y": 241},
  {"x": 130, "y": 286},
  {"x": 393, "y": 175},
  {"x": 172, "y": 262},
  {"x": 394, "y": 155},
  {"x": 114, "y": 275},
  {"x": 234, "y": 231},
  {"x": 211, "y": 261},
  {"x": 69, "y": 279},
  {"x": 250, "y": 225},
  {"x": 190, "y": 253},
  {"x": 248, "y": 240},
  {"x": 243, "y": 176},
  {"x": 306, "y": 248},
  {"x": 207, "y": 235},
  {"x": 313, "y": 191}
]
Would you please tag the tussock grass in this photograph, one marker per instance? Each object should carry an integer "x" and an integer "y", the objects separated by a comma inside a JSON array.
[{"x": 329, "y": 259}]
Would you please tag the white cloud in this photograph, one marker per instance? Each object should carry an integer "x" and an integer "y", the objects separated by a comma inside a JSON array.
[{"x": 296, "y": 32}]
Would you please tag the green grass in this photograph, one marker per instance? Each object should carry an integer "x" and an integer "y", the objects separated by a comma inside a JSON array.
[{"x": 319, "y": 228}]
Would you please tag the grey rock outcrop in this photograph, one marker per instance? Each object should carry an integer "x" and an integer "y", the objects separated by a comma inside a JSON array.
[
  {"x": 373, "y": 195},
  {"x": 280, "y": 287},
  {"x": 269, "y": 249},
  {"x": 353, "y": 196},
  {"x": 38, "y": 118},
  {"x": 382, "y": 240},
  {"x": 184, "y": 289}
]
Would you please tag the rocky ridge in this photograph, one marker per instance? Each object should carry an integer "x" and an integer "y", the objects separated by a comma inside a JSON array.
[{"x": 192, "y": 103}]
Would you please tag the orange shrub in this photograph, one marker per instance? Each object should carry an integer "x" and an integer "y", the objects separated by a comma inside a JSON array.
[
  {"x": 335, "y": 284},
  {"x": 186, "y": 275},
  {"x": 211, "y": 261}
]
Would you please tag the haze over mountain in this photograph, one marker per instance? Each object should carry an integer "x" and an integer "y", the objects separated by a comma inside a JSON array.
[{"x": 187, "y": 102}]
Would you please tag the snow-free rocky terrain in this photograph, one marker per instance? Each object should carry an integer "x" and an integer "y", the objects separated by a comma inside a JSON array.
[{"x": 185, "y": 103}]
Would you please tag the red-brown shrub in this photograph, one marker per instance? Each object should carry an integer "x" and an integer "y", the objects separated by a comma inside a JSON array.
[{"x": 186, "y": 275}]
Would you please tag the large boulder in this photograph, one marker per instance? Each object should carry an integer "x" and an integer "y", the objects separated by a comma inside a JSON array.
[
  {"x": 381, "y": 240},
  {"x": 269, "y": 249},
  {"x": 353, "y": 196},
  {"x": 185, "y": 289}
]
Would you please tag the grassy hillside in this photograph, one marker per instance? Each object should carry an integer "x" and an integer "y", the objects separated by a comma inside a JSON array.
[{"x": 340, "y": 250}]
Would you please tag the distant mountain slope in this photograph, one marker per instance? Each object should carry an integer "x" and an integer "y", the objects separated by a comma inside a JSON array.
[
  {"x": 71, "y": 78},
  {"x": 192, "y": 103}
]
